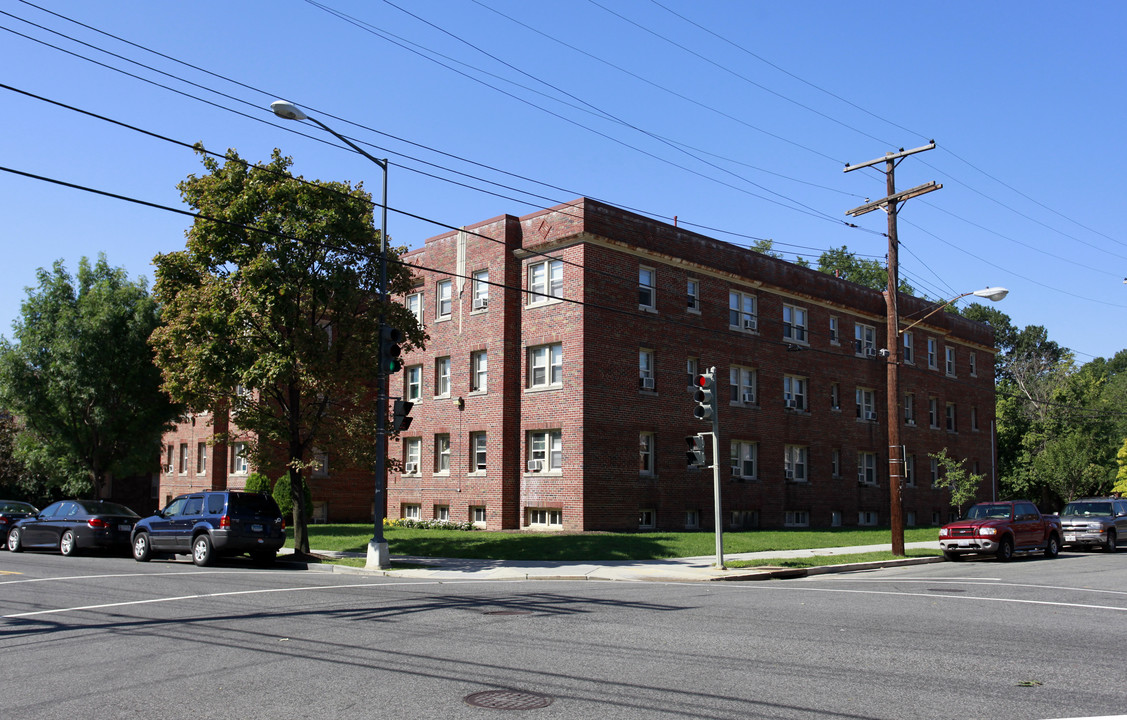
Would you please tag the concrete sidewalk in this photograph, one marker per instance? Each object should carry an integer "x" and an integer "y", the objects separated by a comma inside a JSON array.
[{"x": 695, "y": 569}]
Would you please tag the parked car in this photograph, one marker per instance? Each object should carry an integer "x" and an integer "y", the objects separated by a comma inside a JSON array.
[
  {"x": 1001, "y": 528},
  {"x": 10, "y": 512},
  {"x": 210, "y": 524},
  {"x": 73, "y": 525},
  {"x": 1094, "y": 521}
]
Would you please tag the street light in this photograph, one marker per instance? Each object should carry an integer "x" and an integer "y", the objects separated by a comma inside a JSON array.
[
  {"x": 378, "y": 555},
  {"x": 993, "y": 294}
]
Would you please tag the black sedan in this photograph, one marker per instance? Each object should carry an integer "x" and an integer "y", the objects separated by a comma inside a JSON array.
[
  {"x": 72, "y": 525},
  {"x": 10, "y": 512}
]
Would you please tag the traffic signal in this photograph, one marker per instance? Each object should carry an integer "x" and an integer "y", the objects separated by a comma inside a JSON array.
[
  {"x": 705, "y": 396},
  {"x": 390, "y": 338},
  {"x": 400, "y": 416},
  {"x": 695, "y": 455}
]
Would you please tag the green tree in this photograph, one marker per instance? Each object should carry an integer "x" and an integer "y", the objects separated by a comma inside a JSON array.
[
  {"x": 870, "y": 273},
  {"x": 273, "y": 311},
  {"x": 962, "y": 484},
  {"x": 81, "y": 378},
  {"x": 1120, "y": 486}
]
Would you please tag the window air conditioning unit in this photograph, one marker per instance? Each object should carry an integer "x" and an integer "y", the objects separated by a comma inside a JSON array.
[
  {"x": 870, "y": 415},
  {"x": 870, "y": 352},
  {"x": 480, "y": 303},
  {"x": 792, "y": 404},
  {"x": 168, "y": 469},
  {"x": 749, "y": 397},
  {"x": 410, "y": 468},
  {"x": 535, "y": 465},
  {"x": 647, "y": 383},
  {"x": 750, "y": 323}
]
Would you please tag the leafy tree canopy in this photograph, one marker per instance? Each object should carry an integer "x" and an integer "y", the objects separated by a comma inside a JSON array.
[
  {"x": 273, "y": 310},
  {"x": 81, "y": 378},
  {"x": 870, "y": 273}
]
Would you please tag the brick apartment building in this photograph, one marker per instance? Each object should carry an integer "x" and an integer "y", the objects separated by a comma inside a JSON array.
[{"x": 554, "y": 391}]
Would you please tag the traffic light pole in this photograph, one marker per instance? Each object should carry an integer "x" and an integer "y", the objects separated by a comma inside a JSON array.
[{"x": 705, "y": 395}]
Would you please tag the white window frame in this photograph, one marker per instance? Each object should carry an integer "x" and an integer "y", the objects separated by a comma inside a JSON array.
[
  {"x": 692, "y": 519},
  {"x": 412, "y": 454},
  {"x": 743, "y": 383},
  {"x": 795, "y": 324},
  {"x": 414, "y": 304},
  {"x": 910, "y": 470},
  {"x": 545, "y": 282},
  {"x": 442, "y": 377},
  {"x": 647, "y": 288},
  {"x": 744, "y": 457},
  {"x": 949, "y": 357},
  {"x": 183, "y": 458},
  {"x": 240, "y": 465},
  {"x": 951, "y": 415},
  {"x": 835, "y": 335},
  {"x": 442, "y": 513},
  {"x": 413, "y": 376},
  {"x": 866, "y": 404},
  {"x": 647, "y": 519},
  {"x": 692, "y": 369},
  {"x": 932, "y": 354},
  {"x": 320, "y": 467},
  {"x": 647, "y": 454},
  {"x": 411, "y": 511},
  {"x": 545, "y": 446},
  {"x": 479, "y": 371},
  {"x": 796, "y": 463},
  {"x": 794, "y": 392},
  {"x": 480, "y": 291},
  {"x": 864, "y": 340},
  {"x": 550, "y": 518},
  {"x": 201, "y": 458},
  {"x": 478, "y": 515},
  {"x": 442, "y": 454},
  {"x": 933, "y": 412},
  {"x": 692, "y": 288},
  {"x": 867, "y": 518},
  {"x": 907, "y": 349},
  {"x": 835, "y": 462},
  {"x": 444, "y": 300},
  {"x": 549, "y": 360},
  {"x": 743, "y": 313},
  {"x": 646, "y": 369},
  {"x": 835, "y": 396},
  {"x": 479, "y": 446},
  {"x": 796, "y": 518},
  {"x": 972, "y": 359},
  {"x": 866, "y": 468},
  {"x": 910, "y": 409},
  {"x": 933, "y": 471},
  {"x": 974, "y": 418}
]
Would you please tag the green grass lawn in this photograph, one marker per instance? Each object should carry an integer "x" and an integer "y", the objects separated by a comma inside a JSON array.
[{"x": 592, "y": 546}]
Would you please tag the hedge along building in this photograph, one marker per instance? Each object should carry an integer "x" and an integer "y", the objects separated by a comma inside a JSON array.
[{"x": 554, "y": 389}]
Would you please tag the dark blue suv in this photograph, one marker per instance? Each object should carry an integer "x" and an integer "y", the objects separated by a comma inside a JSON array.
[{"x": 208, "y": 524}]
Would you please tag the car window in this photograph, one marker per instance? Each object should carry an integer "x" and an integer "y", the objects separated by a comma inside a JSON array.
[
  {"x": 51, "y": 509},
  {"x": 194, "y": 506},
  {"x": 69, "y": 509},
  {"x": 16, "y": 507},
  {"x": 175, "y": 507},
  {"x": 243, "y": 504},
  {"x": 215, "y": 504},
  {"x": 1025, "y": 511}
]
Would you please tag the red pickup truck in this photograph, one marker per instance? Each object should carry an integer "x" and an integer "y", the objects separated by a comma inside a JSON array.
[{"x": 1001, "y": 528}]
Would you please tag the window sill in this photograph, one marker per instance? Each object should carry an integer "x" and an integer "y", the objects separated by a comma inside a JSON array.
[
  {"x": 648, "y": 309},
  {"x": 542, "y": 303},
  {"x": 543, "y": 388}
]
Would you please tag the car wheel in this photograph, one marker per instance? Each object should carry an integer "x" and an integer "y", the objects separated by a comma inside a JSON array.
[
  {"x": 15, "y": 543},
  {"x": 142, "y": 549},
  {"x": 1006, "y": 549},
  {"x": 952, "y": 556},
  {"x": 201, "y": 550},
  {"x": 67, "y": 544},
  {"x": 1052, "y": 548},
  {"x": 1109, "y": 546}
]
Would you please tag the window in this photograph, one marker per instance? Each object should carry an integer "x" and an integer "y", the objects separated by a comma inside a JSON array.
[
  {"x": 647, "y": 282},
  {"x": 477, "y": 452},
  {"x": 414, "y": 378},
  {"x": 744, "y": 458},
  {"x": 168, "y": 458},
  {"x": 835, "y": 336},
  {"x": 933, "y": 472},
  {"x": 742, "y": 382},
  {"x": 545, "y": 281},
  {"x": 442, "y": 454},
  {"x": 646, "y": 370},
  {"x": 183, "y": 458},
  {"x": 479, "y": 371},
  {"x": 866, "y": 517},
  {"x": 972, "y": 360},
  {"x": 646, "y": 454},
  {"x": 835, "y": 518},
  {"x": 951, "y": 426},
  {"x": 950, "y": 354},
  {"x": 693, "y": 287},
  {"x": 796, "y": 518},
  {"x": 413, "y": 452},
  {"x": 477, "y": 515},
  {"x": 910, "y": 470},
  {"x": 865, "y": 340},
  {"x": 442, "y": 377},
  {"x": 933, "y": 412},
  {"x": 545, "y": 451},
  {"x": 835, "y": 396},
  {"x": 691, "y": 367},
  {"x": 741, "y": 311},
  {"x": 415, "y": 306},
  {"x": 794, "y": 323},
  {"x": 445, "y": 299},
  {"x": 544, "y": 517},
  {"x": 320, "y": 465},
  {"x": 646, "y": 519},
  {"x": 239, "y": 465},
  {"x": 442, "y": 513},
  {"x": 480, "y": 290},
  {"x": 835, "y": 462},
  {"x": 744, "y": 519},
  {"x": 974, "y": 419},
  {"x": 794, "y": 392},
  {"x": 692, "y": 519},
  {"x": 907, "y": 351},
  {"x": 545, "y": 365},
  {"x": 201, "y": 458},
  {"x": 795, "y": 463},
  {"x": 866, "y": 404},
  {"x": 411, "y": 512},
  {"x": 909, "y": 409},
  {"x": 867, "y": 468},
  {"x": 931, "y": 354}
]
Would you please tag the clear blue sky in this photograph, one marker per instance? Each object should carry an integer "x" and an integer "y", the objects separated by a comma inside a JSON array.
[{"x": 733, "y": 116}]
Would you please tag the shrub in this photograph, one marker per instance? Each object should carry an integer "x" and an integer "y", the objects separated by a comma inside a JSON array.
[
  {"x": 428, "y": 524},
  {"x": 258, "y": 483},
  {"x": 285, "y": 501}
]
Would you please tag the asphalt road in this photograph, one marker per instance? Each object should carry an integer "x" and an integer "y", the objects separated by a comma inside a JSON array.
[{"x": 108, "y": 637}]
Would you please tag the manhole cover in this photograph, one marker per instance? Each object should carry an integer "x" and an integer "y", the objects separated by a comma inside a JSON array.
[{"x": 508, "y": 700}]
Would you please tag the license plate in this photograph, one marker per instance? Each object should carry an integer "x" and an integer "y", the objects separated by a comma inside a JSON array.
[
  {"x": 125, "y": 527},
  {"x": 1070, "y": 538},
  {"x": 256, "y": 528}
]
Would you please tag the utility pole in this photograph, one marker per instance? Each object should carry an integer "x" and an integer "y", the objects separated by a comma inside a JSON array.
[{"x": 890, "y": 204}]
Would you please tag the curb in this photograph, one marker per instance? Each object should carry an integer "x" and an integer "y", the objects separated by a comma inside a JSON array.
[{"x": 792, "y": 573}]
